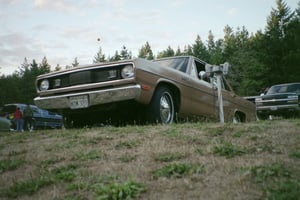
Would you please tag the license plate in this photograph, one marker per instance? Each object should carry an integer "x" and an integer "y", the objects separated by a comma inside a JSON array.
[
  {"x": 273, "y": 108},
  {"x": 79, "y": 102}
]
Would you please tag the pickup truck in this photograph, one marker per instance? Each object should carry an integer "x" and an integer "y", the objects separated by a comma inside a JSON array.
[{"x": 280, "y": 100}]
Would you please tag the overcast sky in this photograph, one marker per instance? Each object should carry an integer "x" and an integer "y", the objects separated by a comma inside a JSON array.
[{"x": 64, "y": 29}]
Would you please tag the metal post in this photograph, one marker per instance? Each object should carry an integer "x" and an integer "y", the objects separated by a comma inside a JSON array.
[{"x": 220, "y": 98}]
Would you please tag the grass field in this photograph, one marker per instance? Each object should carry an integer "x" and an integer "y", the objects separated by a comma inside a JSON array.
[{"x": 259, "y": 160}]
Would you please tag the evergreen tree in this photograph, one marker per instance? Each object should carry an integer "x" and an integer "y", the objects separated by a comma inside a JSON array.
[
  {"x": 75, "y": 62},
  {"x": 229, "y": 42},
  {"x": 214, "y": 49},
  {"x": 169, "y": 52},
  {"x": 146, "y": 52},
  {"x": 25, "y": 66},
  {"x": 125, "y": 54},
  {"x": 57, "y": 68},
  {"x": 188, "y": 50},
  {"x": 291, "y": 58},
  {"x": 44, "y": 67},
  {"x": 275, "y": 43},
  {"x": 178, "y": 52},
  {"x": 116, "y": 57},
  {"x": 99, "y": 57},
  {"x": 200, "y": 50}
]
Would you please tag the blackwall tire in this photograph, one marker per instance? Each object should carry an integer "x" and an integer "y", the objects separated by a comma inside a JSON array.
[
  {"x": 162, "y": 108},
  {"x": 68, "y": 122}
]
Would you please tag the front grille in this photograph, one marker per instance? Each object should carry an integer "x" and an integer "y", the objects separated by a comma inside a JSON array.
[
  {"x": 276, "y": 103},
  {"x": 85, "y": 76}
]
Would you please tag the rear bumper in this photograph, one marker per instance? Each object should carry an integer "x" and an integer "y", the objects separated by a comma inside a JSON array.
[{"x": 96, "y": 97}]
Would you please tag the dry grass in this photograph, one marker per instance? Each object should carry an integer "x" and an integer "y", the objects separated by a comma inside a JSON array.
[{"x": 243, "y": 161}]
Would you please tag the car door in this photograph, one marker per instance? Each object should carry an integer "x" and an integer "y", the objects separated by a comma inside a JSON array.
[
  {"x": 229, "y": 99},
  {"x": 203, "y": 95}
]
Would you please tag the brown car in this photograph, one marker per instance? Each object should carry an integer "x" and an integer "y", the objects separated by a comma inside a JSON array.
[{"x": 159, "y": 91}]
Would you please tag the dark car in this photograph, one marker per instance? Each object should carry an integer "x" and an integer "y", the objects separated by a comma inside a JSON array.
[
  {"x": 280, "y": 100},
  {"x": 41, "y": 118},
  {"x": 163, "y": 91},
  {"x": 5, "y": 124}
]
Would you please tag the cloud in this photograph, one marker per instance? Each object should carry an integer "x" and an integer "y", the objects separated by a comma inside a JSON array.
[
  {"x": 232, "y": 12},
  {"x": 57, "y": 5}
]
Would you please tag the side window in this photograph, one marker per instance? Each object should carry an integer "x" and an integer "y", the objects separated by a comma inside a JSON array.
[
  {"x": 51, "y": 113},
  {"x": 200, "y": 67},
  {"x": 35, "y": 110}
]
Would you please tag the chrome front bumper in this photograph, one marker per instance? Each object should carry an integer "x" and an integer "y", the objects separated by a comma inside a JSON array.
[
  {"x": 278, "y": 107},
  {"x": 96, "y": 97}
]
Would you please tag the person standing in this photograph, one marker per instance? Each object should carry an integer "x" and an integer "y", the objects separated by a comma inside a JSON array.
[
  {"x": 28, "y": 114},
  {"x": 18, "y": 118}
]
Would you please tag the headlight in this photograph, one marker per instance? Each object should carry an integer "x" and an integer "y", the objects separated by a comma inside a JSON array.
[
  {"x": 292, "y": 99},
  {"x": 127, "y": 71},
  {"x": 44, "y": 85},
  {"x": 258, "y": 101}
]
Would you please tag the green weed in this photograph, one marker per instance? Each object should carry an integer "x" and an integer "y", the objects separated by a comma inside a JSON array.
[
  {"x": 15, "y": 153},
  {"x": 168, "y": 156},
  {"x": 94, "y": 140},
  {"x": 118, "y": 191},
  {"x": 64, "y": 173},
  {"x": 77, "y": 186},
  {"x": 177, "y": 170},
  {"x": 218, "y": 131},
  {"x": 6, "y": 165},
  {"x": 27, "y": 187},
  {"x": 284, "y": 190},
  {"x": 295, "y": 154},
  {"x": 228, "y": 150},
  {"x": 45, "y": 163},
  {"x": 262, "y": 173},
  {"x": 174, "y": 131},
  {"x": 127, "y": 158},
  {"x": 127, "y": 144},
  {"x": 92, "y": 155}
]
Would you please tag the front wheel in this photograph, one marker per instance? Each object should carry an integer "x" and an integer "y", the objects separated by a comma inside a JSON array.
[
  {"x": 161, "y": 109},
  {"x": 238, "y": 118}
]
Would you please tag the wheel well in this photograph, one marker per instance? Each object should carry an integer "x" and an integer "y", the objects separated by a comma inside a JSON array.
[
  {"x": 241, "y": 115},
  {"x": 175, "y": 91}
]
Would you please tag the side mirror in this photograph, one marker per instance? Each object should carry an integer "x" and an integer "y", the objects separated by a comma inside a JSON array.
[{"x": 202, "y": 75}]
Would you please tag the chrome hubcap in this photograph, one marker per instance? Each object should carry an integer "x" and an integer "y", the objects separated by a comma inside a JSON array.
[{"x": 166, "y": 108}]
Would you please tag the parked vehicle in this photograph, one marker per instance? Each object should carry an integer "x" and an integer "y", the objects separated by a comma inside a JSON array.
[
  {"x": 5, "y": 124},
  {"x": 41, "y": 118},
  {"x": 282, "y": 100},
  {"x": 163, "y": 91}
]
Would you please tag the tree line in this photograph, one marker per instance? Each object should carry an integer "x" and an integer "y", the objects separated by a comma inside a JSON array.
[{"x": 257, "y": 60}]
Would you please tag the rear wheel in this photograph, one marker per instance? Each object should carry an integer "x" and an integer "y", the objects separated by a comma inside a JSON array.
[{"x": 161, "y": 109}]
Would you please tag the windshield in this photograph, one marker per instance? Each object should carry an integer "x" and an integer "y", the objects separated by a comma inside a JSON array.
[
  {"x": 288, "y": 88},
  {"x": 8, "y": 109},
  {"x": 179, "y": 63}
]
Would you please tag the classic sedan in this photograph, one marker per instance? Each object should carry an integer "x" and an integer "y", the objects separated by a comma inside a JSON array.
[{"x": 158, "y": 91}]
